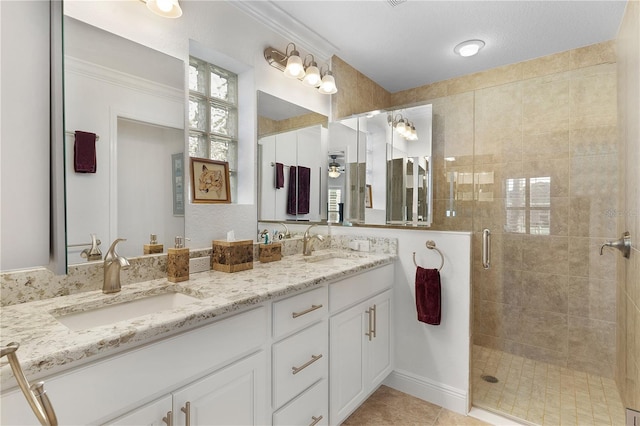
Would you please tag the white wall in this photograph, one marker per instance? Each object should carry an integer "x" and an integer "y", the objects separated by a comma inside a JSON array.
[{"x": 432, "y": 362}]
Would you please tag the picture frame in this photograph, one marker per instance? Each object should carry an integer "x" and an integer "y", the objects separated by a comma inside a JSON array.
[
  {"x": 368, "y": 200},
  {"x": 209, "y": 181}
]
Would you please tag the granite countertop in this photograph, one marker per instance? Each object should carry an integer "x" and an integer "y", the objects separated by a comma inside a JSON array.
[{"x": 47, "y": 346}]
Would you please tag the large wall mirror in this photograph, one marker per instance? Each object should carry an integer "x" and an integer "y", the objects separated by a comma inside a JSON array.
[
  {"x": 132, "y": 98},
  {"x": 388, "y": 166},
  {"x": 292, "y": 162}
]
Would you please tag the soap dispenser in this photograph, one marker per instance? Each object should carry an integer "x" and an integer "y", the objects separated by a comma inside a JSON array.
[
  {"x": 178, "y": 262},
  {"x": 153, "y": 247}
]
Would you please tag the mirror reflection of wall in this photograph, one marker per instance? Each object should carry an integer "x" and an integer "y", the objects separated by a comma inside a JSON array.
[
  {"x": 292, "y": 147},
  {"x": 124, "y": 93}
]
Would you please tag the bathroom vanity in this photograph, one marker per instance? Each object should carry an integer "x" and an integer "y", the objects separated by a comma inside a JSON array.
[{"x": 289, "y": 342}]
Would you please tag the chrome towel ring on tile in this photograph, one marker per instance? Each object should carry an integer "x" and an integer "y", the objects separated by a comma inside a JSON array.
[{"x": 431, "y": 245}]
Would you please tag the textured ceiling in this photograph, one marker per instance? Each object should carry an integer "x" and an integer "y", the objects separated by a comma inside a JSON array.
[{"x": 411, "y": 44}]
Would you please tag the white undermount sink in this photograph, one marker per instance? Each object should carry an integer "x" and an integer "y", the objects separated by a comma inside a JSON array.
[{"x": 109, "y": 314}]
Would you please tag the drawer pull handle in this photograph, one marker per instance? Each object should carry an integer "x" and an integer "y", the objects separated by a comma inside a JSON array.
[
  {"x": 315, "y": 420},
  {"x": 306, "y": 311},
  {"x": 187, "y": 411},
  {"x": 169, "y": 419},
  {"x": 314, "y": 358},
  {"x": 370, "y": 332},
  {"x": 375, "y": 321}
]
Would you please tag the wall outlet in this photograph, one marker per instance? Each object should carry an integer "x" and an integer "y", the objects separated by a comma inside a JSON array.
[
  {"x": 359, "y": 245},
  {"x": 199, "y": 264}
]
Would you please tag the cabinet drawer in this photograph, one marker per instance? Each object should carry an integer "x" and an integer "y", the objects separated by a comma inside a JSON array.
[
  {"x": 310, "y": 408},
  {"x": 354, "y": 289},
  {"x": 299, "y": 311},
  {"x": 299, "y": 361}
]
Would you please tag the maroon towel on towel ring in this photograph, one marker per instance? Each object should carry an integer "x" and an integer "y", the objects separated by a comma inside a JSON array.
[
  {"x": 279, "y": 175},
  {"x": 428, "y": 295},
  {"x": 84, "y": 152}
]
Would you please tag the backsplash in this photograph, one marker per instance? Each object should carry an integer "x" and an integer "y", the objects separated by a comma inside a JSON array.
[{"x": 40, "y": 283}]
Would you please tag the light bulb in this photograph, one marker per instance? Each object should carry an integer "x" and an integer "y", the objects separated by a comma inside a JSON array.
[
  {"x": 294, "y": 68},
  {"x": 328, "y": 84},
  {"x": 164, "y": 5},
  {"x": 401, "y": 127},
  {"x": 312, "y": 76}
]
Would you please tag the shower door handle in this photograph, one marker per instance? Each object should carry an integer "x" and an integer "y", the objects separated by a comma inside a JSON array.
[{"x": 486, "y": 248}]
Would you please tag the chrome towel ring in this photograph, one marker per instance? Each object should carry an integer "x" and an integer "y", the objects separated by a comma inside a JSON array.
[{"x": 431, "y": 245}]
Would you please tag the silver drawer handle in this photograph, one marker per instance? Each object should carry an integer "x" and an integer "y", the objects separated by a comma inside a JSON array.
[
  {"x": 315, "y": 420},
  {"x": 314, "y": 358},
  {"x": 306, "y": 311},
  {"x": 169, "y": 418}
]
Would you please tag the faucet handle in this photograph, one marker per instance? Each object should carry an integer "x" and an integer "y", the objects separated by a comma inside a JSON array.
[
  {"x": 111, "y": 253},
  {"x": 623, "y": 244}
]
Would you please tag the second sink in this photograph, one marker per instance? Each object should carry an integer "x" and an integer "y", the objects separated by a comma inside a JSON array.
[{"x": 122, "y": 311}]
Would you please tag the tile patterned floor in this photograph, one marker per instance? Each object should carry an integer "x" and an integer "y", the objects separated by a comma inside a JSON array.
[
  {"x": 388, "y": 406},
  {"x": 542, "y": 393}
]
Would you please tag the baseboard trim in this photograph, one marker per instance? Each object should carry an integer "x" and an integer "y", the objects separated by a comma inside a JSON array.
[{"x": 437, "y": 393}]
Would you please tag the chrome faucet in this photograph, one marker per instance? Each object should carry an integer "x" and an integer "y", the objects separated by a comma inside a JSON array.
[
  {"x": 92, "y": 253},
  {"x": 286, "y": 234},
  {"x": 113, "y": 262},
  {"x": 307, "y": 240}
]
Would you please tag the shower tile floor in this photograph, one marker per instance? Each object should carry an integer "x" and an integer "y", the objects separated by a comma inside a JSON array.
[{"x": 543, "y": 394}]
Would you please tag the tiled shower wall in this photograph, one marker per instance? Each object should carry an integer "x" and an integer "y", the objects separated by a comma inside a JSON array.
[
  {"x": 529, "y": 151},
  {"x": 628, "y": 213}
]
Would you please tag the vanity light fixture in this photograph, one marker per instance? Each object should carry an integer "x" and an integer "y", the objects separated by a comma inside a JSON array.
[
  {"x": 293, "y": 67},
  {"x": 405, "y": 128},
  {"x": 334, "y": 168},
  {"x": 469, "y": 47},
  {"x": 165, "y": 8}
]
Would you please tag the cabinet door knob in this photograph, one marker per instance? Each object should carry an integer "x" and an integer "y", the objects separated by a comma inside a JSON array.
[
  {"x": 187, "y": 411},
  {"x": 169, "y": 418},
  {"x": 314, "y": 358},
  {"x": 315, "y": 420}
]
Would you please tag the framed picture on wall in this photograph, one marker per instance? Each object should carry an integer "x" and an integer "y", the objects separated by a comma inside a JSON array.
[
  {"x": 368, "y": 201},
  {"x": 209, "y": 181}
]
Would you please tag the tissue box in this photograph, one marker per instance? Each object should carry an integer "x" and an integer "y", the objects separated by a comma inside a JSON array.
[
  {"x": 232, "y": 256},
  {"x": 270, "y": 252}
]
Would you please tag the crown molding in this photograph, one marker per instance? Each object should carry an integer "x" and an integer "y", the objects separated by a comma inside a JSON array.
[{"x": 288, "y": 27}]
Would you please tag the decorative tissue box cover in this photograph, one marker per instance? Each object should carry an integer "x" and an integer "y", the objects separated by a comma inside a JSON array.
[
  {"x": 270, "y": 252},
  {"x": 232, "y": 256}
]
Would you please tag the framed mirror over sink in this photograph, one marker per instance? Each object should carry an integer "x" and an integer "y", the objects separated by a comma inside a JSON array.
[{"x": 132, "y": 98}]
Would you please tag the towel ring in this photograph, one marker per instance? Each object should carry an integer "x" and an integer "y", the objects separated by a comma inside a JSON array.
[{"x": 431, "y": 245}]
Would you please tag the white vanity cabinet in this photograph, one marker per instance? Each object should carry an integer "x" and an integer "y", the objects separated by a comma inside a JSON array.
[
  {"x": 232, "y": 396},
  {"x": 360, "y": 339},
  {"x": 300, "y": 358},
  {"x": 209, "y": 365}
]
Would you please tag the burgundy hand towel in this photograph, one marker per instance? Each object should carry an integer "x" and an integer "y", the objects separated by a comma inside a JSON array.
[
  {"x": 84, "y": 152},
  {"x": 279, "y": 175},
  {"x": 428, "y": 295},
  {"x": 292, "y": 199},
  {"x": 304, "y": 189}
]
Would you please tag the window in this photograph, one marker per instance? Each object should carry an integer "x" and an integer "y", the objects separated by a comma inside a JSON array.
[
  {"x": 528, "y": 205},
  {"x": 213, "y": 116}
]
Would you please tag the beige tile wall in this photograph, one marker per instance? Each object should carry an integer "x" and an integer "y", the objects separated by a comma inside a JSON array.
[
  {"x": 267, "y": 126},
  {"x": 628, "y": 213},
  {"x": 547, "y": 297}
]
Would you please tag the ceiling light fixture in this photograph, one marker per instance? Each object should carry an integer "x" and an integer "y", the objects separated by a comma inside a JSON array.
[
  {"x": 307, "y": 71},
  {"x": 165, "y": 8},
  {"x": 469, "y": 47},
  {"x": 334, "y": 168}
]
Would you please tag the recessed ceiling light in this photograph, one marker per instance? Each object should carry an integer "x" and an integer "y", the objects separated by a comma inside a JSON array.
[{"x": 469, "y": 47}]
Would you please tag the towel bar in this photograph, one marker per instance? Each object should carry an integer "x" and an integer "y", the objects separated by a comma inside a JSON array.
[{"x": 431, "y": 245}]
